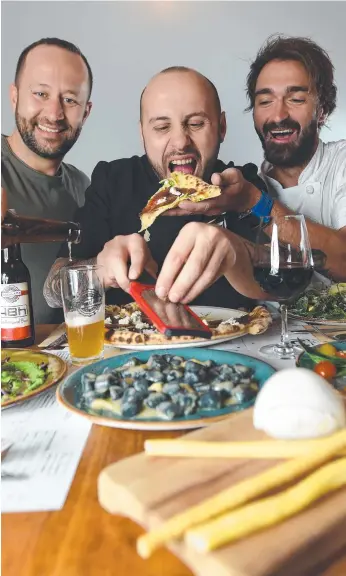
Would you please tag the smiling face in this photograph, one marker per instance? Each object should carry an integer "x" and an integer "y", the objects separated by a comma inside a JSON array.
[
  {"x": 286, "y": 113},
  {"x": 51, "y": 100},
  {"x": 182, "y": 127}
]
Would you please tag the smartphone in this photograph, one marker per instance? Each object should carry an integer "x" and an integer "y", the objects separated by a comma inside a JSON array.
[{"x": 169, "y": 318}]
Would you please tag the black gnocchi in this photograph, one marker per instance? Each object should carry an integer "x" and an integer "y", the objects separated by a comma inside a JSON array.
[{"x": 172, "y": 386}]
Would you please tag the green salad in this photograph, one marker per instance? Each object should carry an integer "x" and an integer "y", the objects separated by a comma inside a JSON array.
[
  {"x": 326, "y": 304},
  {"x": 20, "y": 378}
]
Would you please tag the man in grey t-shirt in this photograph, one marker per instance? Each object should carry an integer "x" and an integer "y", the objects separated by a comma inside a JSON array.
[{"x": 50, "y": 98}]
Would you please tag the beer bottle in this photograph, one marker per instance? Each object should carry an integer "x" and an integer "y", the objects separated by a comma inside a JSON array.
[
  {"x": 16, "y": 229},
  {"x": 17, "y": 321}
]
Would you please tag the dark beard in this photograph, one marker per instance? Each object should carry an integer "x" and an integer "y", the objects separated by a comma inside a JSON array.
[
  {"x": 293, "y": 154},
  {"x": 26, "y": 129}
]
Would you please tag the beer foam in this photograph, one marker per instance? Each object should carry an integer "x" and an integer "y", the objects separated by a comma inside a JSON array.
[{"x": 74, "y": 319}]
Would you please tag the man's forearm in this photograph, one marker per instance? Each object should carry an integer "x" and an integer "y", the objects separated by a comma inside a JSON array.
[
  {"x": 331, "y": 242},
  {"x": 240, "y": 273},
  {"x": 52, "y": 285}
]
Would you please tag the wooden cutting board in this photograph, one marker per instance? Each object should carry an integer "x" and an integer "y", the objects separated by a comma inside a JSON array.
[{"x": 149, "y": 490}]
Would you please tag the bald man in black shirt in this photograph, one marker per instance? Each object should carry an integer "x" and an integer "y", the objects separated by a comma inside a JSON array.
[{"x": 182, "y": 127}]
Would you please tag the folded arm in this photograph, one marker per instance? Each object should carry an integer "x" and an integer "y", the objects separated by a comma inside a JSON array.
[
  {"x": 122, "y": 259},
  {"x": 199, "y": 256}
]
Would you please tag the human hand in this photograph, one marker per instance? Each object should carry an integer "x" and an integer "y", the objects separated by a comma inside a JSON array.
[
  {"x": 123, "y": 259},
  {"x": 199, "y": 256},
  {"x": 236, "y": 194}
]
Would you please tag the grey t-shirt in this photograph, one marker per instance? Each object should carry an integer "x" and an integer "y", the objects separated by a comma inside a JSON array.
[{"x": 32, "y": 193}]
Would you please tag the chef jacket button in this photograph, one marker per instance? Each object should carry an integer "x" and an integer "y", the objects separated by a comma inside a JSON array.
[{"x": 310, "y": 189}]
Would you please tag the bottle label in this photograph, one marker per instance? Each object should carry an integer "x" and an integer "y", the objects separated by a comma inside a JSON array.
[{"x": 15, "y": 312}]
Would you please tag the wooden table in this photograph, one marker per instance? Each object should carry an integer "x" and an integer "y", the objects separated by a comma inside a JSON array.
[{"x": 82, "y": 539}]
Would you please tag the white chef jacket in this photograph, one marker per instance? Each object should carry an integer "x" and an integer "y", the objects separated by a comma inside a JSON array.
[{"x": 321, "y": 191}]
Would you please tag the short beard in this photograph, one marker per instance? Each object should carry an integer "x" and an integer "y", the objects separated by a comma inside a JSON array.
[
  {"x": 26, "y": 129},
  {"x": 294, "y": 154}
]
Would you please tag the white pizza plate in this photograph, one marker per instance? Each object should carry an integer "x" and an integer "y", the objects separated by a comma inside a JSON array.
[{"x": 207, "y": 312}]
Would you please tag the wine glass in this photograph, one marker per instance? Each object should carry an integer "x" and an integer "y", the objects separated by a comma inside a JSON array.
[{"x": 283, "y": 270}]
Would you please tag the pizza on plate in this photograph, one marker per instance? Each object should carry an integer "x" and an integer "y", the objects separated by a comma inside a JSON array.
[
  {"x": 128, "y": 325},
  {"x": 175, "y": 189}
]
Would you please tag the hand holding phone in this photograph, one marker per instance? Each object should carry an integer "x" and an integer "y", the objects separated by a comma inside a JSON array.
[{"x": 168, "y": 317}]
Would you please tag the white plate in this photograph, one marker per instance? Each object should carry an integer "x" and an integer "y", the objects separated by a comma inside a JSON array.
[{"x": 211, "y": 312}]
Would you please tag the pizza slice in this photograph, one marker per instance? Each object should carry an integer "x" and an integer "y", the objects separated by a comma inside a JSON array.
[
  {"x": 175, "y": 189},
  {"x": 129, "y": 325}
]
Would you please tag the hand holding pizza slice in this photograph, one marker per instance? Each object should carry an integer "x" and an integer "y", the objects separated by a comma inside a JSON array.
[{"x": 176, "y": 189}]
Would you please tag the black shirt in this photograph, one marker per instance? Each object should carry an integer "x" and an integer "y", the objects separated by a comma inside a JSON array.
[{"x": 118, "y": 192}]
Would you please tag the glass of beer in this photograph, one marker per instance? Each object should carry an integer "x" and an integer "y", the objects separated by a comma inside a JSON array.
[{"x": 83, "y": 299}]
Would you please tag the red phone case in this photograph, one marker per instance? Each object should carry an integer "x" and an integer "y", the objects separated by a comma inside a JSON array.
[{"x": 142, "y": 293}]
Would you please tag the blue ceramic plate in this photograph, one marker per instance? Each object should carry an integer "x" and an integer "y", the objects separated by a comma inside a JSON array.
[{"x": 69, "y": 393}]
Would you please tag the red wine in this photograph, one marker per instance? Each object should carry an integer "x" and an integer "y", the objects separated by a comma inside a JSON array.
[{"x": 285, "y": 283}]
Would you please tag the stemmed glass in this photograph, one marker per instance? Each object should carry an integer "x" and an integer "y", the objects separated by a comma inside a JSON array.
[{"x": 283, "y": 270}]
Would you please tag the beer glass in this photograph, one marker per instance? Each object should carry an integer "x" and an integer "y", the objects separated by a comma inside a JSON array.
[{"x": 84, "y": 307}]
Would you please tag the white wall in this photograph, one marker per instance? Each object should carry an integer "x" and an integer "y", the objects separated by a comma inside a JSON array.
[{"x": 127, "y": 42}]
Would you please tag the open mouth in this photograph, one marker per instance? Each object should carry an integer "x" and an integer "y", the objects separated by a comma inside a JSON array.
[
  {"x": 185, "y": 165},
  {"x": 282, "y": 136}
]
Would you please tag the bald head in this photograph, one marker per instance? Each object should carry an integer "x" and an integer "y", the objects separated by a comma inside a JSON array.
[
  {"x": 182, "y": 125},
  {"x": 58, "y": 43},
  {"x": 182, "y": 73}
]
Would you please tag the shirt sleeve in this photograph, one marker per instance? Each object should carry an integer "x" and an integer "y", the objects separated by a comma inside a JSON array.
[
  {"x": 246, "y": 228},
  {"x": 339, "y": 208},
  {"x": 85, "y": 183},
  {"x": 93, "y": 217},
  {"x": 250, "y": 173}
]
